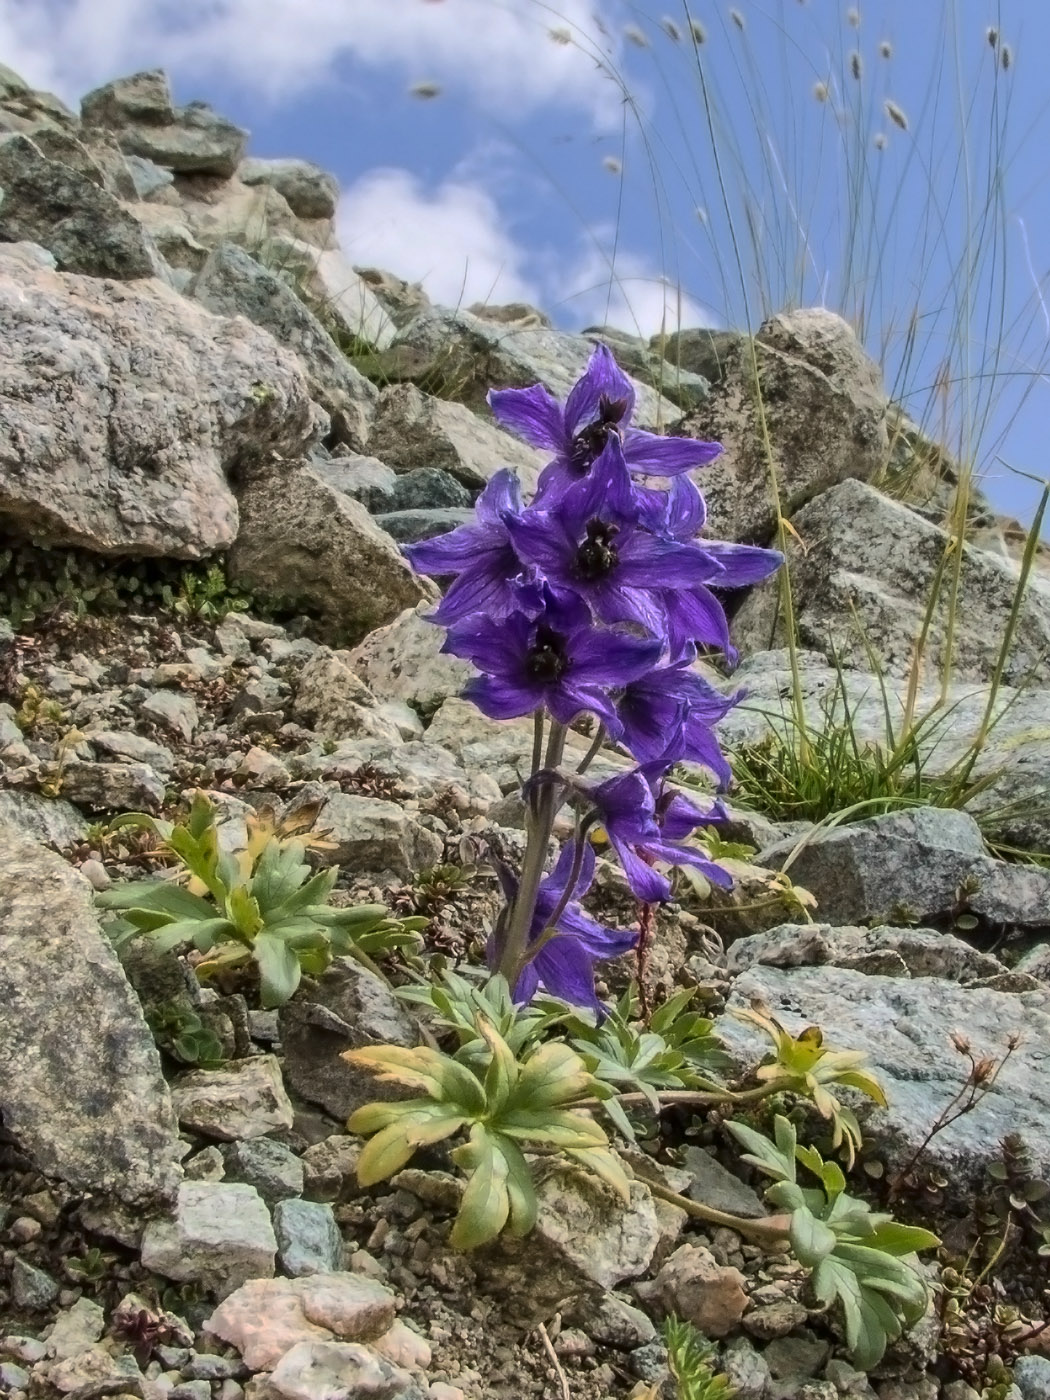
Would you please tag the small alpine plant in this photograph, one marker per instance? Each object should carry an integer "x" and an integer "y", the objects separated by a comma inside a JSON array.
[{"x": 593, "y": 600}]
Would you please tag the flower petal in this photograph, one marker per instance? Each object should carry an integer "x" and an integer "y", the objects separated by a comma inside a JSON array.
[
  {"x": 503, "y": 493},
  {"x": 656, "y": 455},
  {"x": 602, "y": 377},
  {"x": 533, "y": 414},
  {"x": 741, "y": 563},
  {"x": 502, "y": 699},
  {"x": 644, "y": 882},
  {"x": 612, "y": 658}
]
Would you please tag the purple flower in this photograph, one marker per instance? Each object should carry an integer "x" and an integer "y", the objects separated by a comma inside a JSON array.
[
  {"x": 677, "y": 817},
  {"x": 564, "y": 965},
  {"x": 558, "y": 660},
  {"x": 481, "y": 556},
  {"x": 672, "y": 711},
  {"x": 592, "y": 543},
  {"x": 627, "y": 811},
  {"x": 597, "y": 411}
]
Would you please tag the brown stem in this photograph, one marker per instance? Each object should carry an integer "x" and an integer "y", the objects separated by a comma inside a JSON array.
[{"x": 771, "y": 1230}]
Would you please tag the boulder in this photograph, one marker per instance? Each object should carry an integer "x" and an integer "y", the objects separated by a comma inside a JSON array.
[
  {"x": 134, "y": 387},
  {"x": 812, "y": 370},
  {"x": 331, "y": 700},
  {"x": 232, "y": 283},
  {"x": 68, "y": 211},
  {"x": 905, "y": 1028},
  {"x": 863, "y": 579},
  {"x": 81, "y": 1088},
  {"x": 413, "y": 429},
  {"x": 139, "y": 110},
  {"x": 699, "y": 350},
  {"x": 882, "y": 951},
  {"x": 404, "y": 661},
  {"x": 366, "y": 479},
  {"x": 369, "y": 834},
  {"x": 459, "y": 356},
  {"x": 303, "y": 542},
  {"x": 411, "y": 526},
  {"x": 312, "y": 193},
  {"x": 341, "y": 298},
  {"x": 244, "y": 1099}
]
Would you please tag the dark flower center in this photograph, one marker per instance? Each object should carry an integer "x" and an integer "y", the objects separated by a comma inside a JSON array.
[
  {"x": 546, "y": 659},
  {"x": 596, "y": 557},
  {"x": 589, "y": 442}
]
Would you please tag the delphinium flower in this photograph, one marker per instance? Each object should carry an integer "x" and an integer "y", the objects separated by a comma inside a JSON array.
[
  {"x": 592, "y": 600},
  {"x": 597, "y": 410}
]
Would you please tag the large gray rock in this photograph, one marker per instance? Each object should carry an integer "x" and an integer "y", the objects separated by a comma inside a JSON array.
[
  {"x": 302, "y": 541},
  {"x": 882, "y": 951},
  {"x": 219, "y": 1236},
  {"x": 864, "y": 579},
  {"x": 50, "y": 820},
  {"x": 411, "y": 526},
  {"x": 243, "y": 1099},
  {"x": 459, "y": 356},
  {"x": 905, "y": 1028},
  {"x": 312, "y": 193},
  {"x": 333, "y": 701},
  {"x": 920, "y": 863},
  {"x": 139, "y": 110},
  {"x": 366, "y": 479},
  {"x": 413, "y": 429},
  {"x": 404, "y": 661},
  {"x": 81, "y": 1087},
  {"x": 232, "y": 283},
  {"x": 699, "y": 350},
  {"x": 370, "y": 834},
  {"x": 823, "y": 405},
  {"x": 1010, "y": 775},
  {"x": 645, "y": 361},
  {"x": 341, "y": 298},
  {"x": 136, "y": 388},
  {"x": 70, "y": 214}
]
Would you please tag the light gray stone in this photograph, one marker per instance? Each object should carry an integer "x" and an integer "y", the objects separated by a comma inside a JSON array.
[
  {"x": 411, "y": 526},
  {"x": 308, "y": 1238},
  {"x": 428, "y": 488},
  {"x": 883, "y": 951},
  {"x": 31, "y": 1287},
  {"x": 331, "y": 700},
  {"x": 84, "y": 1096},
  {"x": 50, "y": 820},
  {"x": 123, "y": 743},
  {"x": 905, "y": 1027},
  {"x": 366, "y": 479},
  {"x": 220, "y": 1236},
  {"x": 244, "y": 1099},
  {"x": 140, "y": 111},
  {"x": 1032, "y": 1377},
  {"x": 147, "y": 177},
  {"x": 612, "y": 1321},
  {"x": 187, "y": 393},
  {"x": 370, "y": 834},
  {"x": 920, "y": 862},
  {"x": 413, "y": 429},
  {"x": 303, "y": 541},
  {"x": 403, "y": 661},
  {"x": 102, "y": 787},
  {"x": 714, "y": 1186},
  {"x": 79, "y": 222},
  {"x": 319, "y": 1370},
  {"x": 232, "y": 283},
  {"x": 699, "y": 350},
  {"x": 340, "y": 298},
  {"x": 312, "y": 193},
  {"x": 172, "y": 711},
  {"x": 865, "y": 579},
  {"x": 273, "y": 1169}
]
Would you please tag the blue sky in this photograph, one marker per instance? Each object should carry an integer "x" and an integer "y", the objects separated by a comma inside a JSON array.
[{"x": 588, "y": 156}]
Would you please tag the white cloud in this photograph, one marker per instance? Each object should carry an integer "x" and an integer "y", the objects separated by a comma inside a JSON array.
[
  {"x": 451, "y": 239},
  {"x": 630, "y": 294},
  {"x": 497, "y": 51}
]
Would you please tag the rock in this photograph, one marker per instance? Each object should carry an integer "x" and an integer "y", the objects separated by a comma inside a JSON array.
[
  {"x": 219, "y": 1237},
  {"x": 120, "y": 743},
  {"x": 459, "y": 356},
  {"x": 147, "y": 178},
  {"x": 699, "y": 350},
  {"x": 179, "y": 389},
  {"x": 714, "y": 1186},
  {"x": 1031, "y": 1376},
  {"x": 692, "y": 1286},
  {"x": 83, "y": 1096},
  {"x": 776, "y": 1319},
  {"x": 244, "y": 1099},
  {"x": 49, "y": 820},
  {"x": 96, "y": 1371},
  {"x": 796, "y": 1358},
  {"x": 308, "y": 1238},
  {"x": 75, "y": 1329},
  {"x": 346, "y": 1008},
  {"x": 882, "y": 951},
  {"x": 310, "y": 191},
  {"x": 366, "y": 479},
  {"x": 917, "y": 864},
  {"x": 413, "y": 430},
  {"x": 584, "y": 1241},
  {"x": 173, "y": 712},
  {"x": 139, "y": 110},
  {"x": 273, "y": 1169},
  {"x": 812, "y": 369},
  {"x": 341, "y": 299},
  {"x": 79, "y": 222},
  {"x": 855, "y": 590},
  {"x": 905, "y": 1027},
  {"x": 612, "y": 1321},
  {"x": 372, "y": 835},
  {"x": 331, "y": 700},
  {"x": 411, "y": 526},
  {"x": 109, "y": 787},
  {"x": 745, "y": 1369},
  {"x": 304, "y": 542},
  {"x": 428, "y": 488},
  {"x": 31, "y": 1288},
  {"x": 320, "y": 1370},
  {"x": 403, "y": 300},
  {"x": 330, "y": 1169},
  {"x": 232, "y": 283},
  {"x": 265, "y": 1318},
  {"x": 403, "y": 660},
  {"x": 403, "y": 1347}
]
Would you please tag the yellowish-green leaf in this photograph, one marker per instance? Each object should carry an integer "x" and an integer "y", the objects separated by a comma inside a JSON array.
[
  {"x": 384, "y": 1154},
  {"x": 603, "y": 1163},
  {"x": 485, "y": 1207}
]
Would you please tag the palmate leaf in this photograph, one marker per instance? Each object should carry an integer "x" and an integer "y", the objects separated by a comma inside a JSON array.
[
  {"x": 280, "y": 879},
  {"x": 485, "y": 1207},
  {"x": 552, "y": 1127}
]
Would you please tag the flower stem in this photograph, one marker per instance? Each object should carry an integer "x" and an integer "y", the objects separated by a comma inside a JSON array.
[
  {"x": 592, "y": 753},
  {"x": 772, "y": 1230}
]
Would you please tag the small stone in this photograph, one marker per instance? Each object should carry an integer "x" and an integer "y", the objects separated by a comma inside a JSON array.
[
  {"x": 205, "y": 1366},
  {"x": 308, "y": 1238},
  {"x": 273, "y": 1169},
  {"x": 693, "y": 1286},
  {"x": 245, "y": 1099},
  {"x": 76, "y": 1329},
  {"x": 13, "y": 1377},
  {"x": 796, "y": 1358},
  {"x": 614, "y": 1323},
  {"x": 97, "y": 1368},
  {"x": 191, "y": 1390},
  {"x": 206, "y": 1165},
  {"x": 317, "y": 1370},
  {"x": 30, "y": 1287},
  {"x": 403, "y": 1347},
  {"x": 28, "y": 1349},
  {"x": 574, "y": 1344},
  {"x": 220, "y": 1237},
  {"x": 330, "y": 1169},
  {"x": 775, "y": 1319},
  {"x": 745, "y": 1369},
  {"x": 260, "y": 769},
  {"x": 1032, "y": 1377},
  {"x": 172, "y": 711},
  {"x": 25, "y": 1229},
  {"x": 96, "y": 874}
]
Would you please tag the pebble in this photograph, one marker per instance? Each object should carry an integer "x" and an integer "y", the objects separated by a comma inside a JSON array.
[
  {"x": 308, "y": 1238},
  {"x": 31, "y": 1288},
  {"x": 191, "y": 1390},
  {"x": 25, "y": 1229}
]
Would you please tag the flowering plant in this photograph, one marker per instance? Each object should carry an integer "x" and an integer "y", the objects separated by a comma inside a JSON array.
[{"x": 593, "y": 600}]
